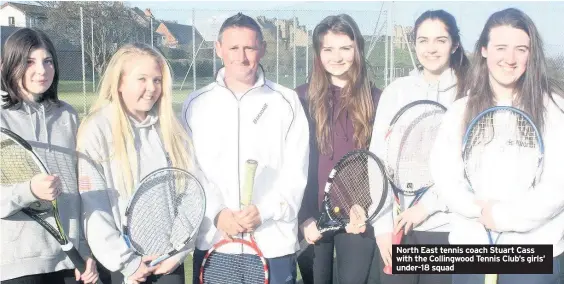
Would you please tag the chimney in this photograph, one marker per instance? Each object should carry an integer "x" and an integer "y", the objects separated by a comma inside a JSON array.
[{"x": 148, "y": 13}]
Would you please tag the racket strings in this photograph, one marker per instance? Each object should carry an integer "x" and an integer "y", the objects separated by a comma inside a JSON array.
[
  {"x": 16, "y": 163},
  {"x": 233, "y": 268},
  {"x": 356, "y": 187},
  {"x": 165, "y": 212},
  {"x": 409, "y": 146},
  {"x": 502, "y": 152}
]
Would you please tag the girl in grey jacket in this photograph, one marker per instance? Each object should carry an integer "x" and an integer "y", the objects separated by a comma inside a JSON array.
[
  {"x": 31, "y": 109},
  {"x": 131, "y": 131}
]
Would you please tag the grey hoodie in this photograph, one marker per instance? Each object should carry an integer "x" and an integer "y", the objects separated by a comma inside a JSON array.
[
  {"x": 27, "y": 248},
  {"x": 104, "y": 206}
]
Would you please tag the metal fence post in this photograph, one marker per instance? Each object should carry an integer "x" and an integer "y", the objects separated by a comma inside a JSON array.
[
  {"x": 294, "y": 43},
  {"x": 83, "y": 67},
  {"x": 194, "y": 49},
  {"x": 92, "y": 54}
]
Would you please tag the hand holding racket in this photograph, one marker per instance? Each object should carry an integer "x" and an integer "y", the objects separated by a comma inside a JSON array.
[
  {"x": 357, "y": 222},
  {"x": 503, "y": 153},
  {"x": 237, "y": 260},
  {"x": 355, "y": 192},
  {"x": 164, "y": 214},
  {"x": 20, "y": 164},
  {"x": 409, "y": 141}
]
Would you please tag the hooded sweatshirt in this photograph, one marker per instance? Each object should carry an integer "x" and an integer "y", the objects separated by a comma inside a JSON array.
[
  {"x": 104, "y": 206},
  {"x": 530, "y": 215},
  {"x": 27, "y": 248},
  {"x": 396, "y": 95}
]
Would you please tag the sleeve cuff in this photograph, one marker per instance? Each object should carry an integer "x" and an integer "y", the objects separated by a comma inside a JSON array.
[
  {"x": 266, "y": 208},
  {"x": 131, "y": 266},
  {"x": 26, "y": 196},
  {"x": 501, "y": 217},
  {"x": 431, "y": 204},
  {"x": 384, "y": 223}
]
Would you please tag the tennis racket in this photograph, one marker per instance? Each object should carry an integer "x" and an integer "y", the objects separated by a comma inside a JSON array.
[
  {"x": 237, "y": 260},
  {"x": 502, "y": 150},
  {"x": 409, "y": 140},
  {"x": 164, "y": 213},
  {"x": 19, "y": 163},
  {"x": 355, "y": 192}
]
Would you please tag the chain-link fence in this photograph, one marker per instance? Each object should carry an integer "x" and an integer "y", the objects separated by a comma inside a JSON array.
[{"x": 86, "y": 34}]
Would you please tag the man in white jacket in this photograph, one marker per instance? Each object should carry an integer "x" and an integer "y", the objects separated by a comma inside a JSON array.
[{"x": 243, "y": 116}]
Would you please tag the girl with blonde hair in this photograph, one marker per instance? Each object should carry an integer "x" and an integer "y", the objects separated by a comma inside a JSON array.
[{"x": 131, "y": 130}]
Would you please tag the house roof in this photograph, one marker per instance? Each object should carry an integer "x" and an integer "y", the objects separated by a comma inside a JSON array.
[
  {"x": 61, "y": 45},
  {"x": 266, "y": 23},
  {"x": 182, "y": 33},
  {"x": 28, "y": 9}
]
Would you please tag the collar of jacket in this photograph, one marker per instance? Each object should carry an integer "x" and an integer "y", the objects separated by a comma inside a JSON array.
[
  {"x": 446, "y": 81},
  {"x": 220, "y": 78}
]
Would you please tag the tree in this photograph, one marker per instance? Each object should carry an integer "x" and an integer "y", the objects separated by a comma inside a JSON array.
[{"x": 114, "y": 25}]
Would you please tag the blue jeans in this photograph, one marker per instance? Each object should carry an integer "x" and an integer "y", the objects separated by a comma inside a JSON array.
[
  {"x": 557, "y": 276},
  {"x": 281, "y": 270}
]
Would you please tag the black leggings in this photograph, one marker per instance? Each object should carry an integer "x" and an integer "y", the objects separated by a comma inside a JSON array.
[
  {"x": 419, "y": 238},
  {"x": 63, "y": 276},
  {"x": 175, "y": 277},
  {"x": 354, "y": 256}
]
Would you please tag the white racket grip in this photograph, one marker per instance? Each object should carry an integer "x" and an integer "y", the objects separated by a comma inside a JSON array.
[
  {"x": 328, "y": 184},
  {"x": 67, "y": 247}
]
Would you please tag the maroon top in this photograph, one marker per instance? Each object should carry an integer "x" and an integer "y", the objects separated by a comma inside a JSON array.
[{"x": 320, "y": 165}]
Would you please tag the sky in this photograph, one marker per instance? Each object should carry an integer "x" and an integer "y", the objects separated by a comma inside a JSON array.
[{"x": 470, "y": 16}]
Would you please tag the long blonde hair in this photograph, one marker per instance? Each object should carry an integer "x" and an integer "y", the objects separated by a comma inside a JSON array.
[{"x": 175, "y": 140}]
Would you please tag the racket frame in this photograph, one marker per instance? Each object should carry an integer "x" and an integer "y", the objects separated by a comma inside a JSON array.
[
  {"x": 329, "y": 223},
  {"x": 58, "y": 233},
  {"x": 177, "y": 247},
  {"x": 418, "y": 193},
  {"x": 492, "y": 278},
  {"x": 251, "y": 167},
  {"x": 251, "y": 244}
]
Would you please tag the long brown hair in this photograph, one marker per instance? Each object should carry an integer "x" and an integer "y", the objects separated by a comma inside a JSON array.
[
  {"x": 533, "y": 85},
  {"x": 356, "y": 96}
]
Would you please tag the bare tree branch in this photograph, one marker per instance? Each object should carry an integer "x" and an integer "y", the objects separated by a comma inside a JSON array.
[{"x": 115, "y": 24}]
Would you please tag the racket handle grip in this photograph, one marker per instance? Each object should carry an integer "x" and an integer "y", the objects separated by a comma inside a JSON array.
[
  {"x": 396, "y": 240},
  {"x": 77, "y": 260},
  {"x": 490, "y": 279}
]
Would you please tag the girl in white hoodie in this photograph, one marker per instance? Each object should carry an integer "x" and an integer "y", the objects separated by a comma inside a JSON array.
[
  {"x": 131, "y": 131},
  {"x": 439, "y": 78},
  {"x": 509, "y": 68}
]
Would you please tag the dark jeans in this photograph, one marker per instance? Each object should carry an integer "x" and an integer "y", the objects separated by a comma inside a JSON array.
[
  {"x": 175, "y": 277},
  {"x": 63, "y": 276},
  {"x": 354, "y": 257}
]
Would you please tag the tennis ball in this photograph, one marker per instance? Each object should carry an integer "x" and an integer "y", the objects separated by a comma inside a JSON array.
[{"x": 336, "y": 209}]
